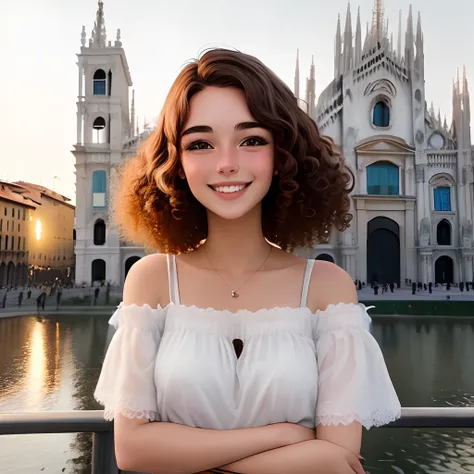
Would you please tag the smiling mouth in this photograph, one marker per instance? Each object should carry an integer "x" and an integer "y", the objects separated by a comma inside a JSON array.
[{"x": 234, "y": 188}]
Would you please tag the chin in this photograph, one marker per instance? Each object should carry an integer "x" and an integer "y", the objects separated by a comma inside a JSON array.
[{"x": 230, "y": 215}]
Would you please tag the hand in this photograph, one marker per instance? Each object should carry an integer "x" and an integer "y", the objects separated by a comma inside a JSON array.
[
  {"x": 291, "y": 433},
  {"x": 334, "y": 459}
]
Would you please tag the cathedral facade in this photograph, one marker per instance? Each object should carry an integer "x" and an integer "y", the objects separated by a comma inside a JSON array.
[
  {"x": 413, "y": 196},
  {"x": 412, "y": 202}
]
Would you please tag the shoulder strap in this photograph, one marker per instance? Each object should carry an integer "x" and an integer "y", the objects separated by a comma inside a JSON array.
[
  {"x": 173, "y": 279},
  {"x": 307, "y": 278}
]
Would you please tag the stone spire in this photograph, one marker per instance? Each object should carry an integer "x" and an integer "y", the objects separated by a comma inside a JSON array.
[
  {"x": 118, "y": 39},
  {"x": 358, "y": 40},
  {"x": 399, "y": 41},
  {"x": 409, "y": 40},
  {"x": 377, "y": 21},
  {"x": 348, "y": 53},
  {"x": 367, "y": 43},
  {"x": 132, "y": 115},
  {"x": 83, "y": 36},
  {"x": 297, "y": 75},
  {"x": 466, "y": 106},
  {"x": 99, "y": 36},
  {"x": 311, "y": 89},
  {"x": 338, "y": 49},
  {"x": 457, "y": 127},
  {"x": 465, "y": 95},
  {"x": 420, "y": 55}
]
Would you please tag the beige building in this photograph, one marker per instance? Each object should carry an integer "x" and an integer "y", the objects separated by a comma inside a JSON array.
[
  {"x": 15, "y": 213},
  {"x": 41, "y": 233}
]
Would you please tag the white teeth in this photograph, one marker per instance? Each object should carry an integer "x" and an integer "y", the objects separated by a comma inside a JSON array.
[{"x": 229, "y": 189}]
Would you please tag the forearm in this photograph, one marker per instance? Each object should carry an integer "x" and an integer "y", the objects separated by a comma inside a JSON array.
[
  {"x": 167, "y": 448},
  {"x": 347, "y": 436},
  {"x": 300, "y": 458},
  {"x": 308, "y": 457}
]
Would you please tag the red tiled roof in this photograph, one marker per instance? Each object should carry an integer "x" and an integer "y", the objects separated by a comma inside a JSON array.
[
  {"x": 35, "y": 192},
  {"x": 9, "y": 193}
]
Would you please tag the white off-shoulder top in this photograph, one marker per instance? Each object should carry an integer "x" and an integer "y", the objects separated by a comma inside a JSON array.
[{"x": 178, "y": 364}]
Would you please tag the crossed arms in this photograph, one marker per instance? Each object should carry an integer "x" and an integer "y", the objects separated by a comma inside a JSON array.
[{"x": 276, "y": 449}]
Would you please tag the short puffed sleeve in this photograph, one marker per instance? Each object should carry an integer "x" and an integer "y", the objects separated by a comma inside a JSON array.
[
  {"x": 126, "y": 383},
  {"x": 354, "y": 384}
]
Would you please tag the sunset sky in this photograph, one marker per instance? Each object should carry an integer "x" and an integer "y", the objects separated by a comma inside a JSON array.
[{"x": 40, "y": 40}]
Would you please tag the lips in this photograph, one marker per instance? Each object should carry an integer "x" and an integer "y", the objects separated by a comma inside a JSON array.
[{"x": 229, "y": 188}]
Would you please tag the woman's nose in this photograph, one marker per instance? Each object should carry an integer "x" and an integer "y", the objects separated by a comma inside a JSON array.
[{"x": 228, "y": 162}]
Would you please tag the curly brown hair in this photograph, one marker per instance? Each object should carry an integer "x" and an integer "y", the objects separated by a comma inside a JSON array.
[{"x": 307, "y": 198}]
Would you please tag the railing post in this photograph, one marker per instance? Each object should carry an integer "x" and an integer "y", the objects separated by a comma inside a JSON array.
[{"x": 103, "y": 453}]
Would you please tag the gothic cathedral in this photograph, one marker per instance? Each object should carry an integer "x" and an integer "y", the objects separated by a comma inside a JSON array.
[{"x": 412, "y": 202}]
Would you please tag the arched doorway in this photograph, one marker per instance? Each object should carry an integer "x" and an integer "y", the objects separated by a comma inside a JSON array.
[
  {"x": 10, "y": 274},
  {"x": 98, "y": 270},
  {"x": 128, "y": 264},
  {"x": 444, "y": 270},
  {"x": 325, "y": 257},
  {"x": 443, "y": 233},
  {"x": 383, "y": 250},
  {"x": 3, "y": 274}
]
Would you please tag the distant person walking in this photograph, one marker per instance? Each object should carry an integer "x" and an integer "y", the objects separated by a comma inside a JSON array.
[
  {"x": 96, "y": 295},
  {"x": 58, "y": 298},
  {"x": 20, "y": 298}
]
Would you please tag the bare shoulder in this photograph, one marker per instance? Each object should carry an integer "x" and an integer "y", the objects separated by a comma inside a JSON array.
[
  {"x": 147, "y": 282},
  {"x": 330, "y": 284}
]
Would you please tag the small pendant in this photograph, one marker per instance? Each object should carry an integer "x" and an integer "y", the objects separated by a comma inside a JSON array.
[{"x": 234, "y": 294}]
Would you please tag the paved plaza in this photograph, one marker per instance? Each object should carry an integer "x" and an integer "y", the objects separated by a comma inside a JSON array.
[{"x": 29, "y": 305}]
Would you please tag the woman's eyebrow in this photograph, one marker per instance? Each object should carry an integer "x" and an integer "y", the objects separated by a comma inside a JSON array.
[
  {"x": 198, "y": 129},
  {"x": 207, "y": 129}
]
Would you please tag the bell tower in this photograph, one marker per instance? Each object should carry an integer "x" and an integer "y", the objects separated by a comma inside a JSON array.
[{"x": 103, "y": 123}]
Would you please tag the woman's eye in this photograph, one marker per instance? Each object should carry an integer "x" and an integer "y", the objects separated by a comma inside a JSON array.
[
  {"x": 254, "y": 141},
  {"x": 198, "y": 146}
]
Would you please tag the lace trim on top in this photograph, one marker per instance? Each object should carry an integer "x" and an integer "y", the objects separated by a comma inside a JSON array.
[
  {"x": 375, "y": 418},
  {"x": 111, "y": 413}
]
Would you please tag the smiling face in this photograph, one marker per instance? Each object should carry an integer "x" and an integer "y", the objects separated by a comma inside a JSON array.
[{"x": 227, "y": 158}]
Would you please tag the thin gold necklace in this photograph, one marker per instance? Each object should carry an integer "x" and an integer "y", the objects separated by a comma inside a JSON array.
[{"x": 235, "y": 293}]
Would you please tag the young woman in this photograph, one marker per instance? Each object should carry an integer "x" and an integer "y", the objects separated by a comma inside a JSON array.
[{"x": 246, "y": 357}]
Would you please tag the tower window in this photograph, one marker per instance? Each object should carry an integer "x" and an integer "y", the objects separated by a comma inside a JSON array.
[
  {"x": 98, "y": 188},
  {"x": 381, "y": 114},
  {"x": 99, "y": 132},
  {"x": 383, "y": 179},
  {"x": 442, "y": 198},
  {"x": 100, "y": 82},
  {"x": 99, "y": 232}
]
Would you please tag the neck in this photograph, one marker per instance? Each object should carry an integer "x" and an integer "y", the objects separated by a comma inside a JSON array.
[{"x": 237, "y": 245}]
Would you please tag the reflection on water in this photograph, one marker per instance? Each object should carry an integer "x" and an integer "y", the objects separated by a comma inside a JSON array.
[
  {"x": 431, "y": 363},
  {"x": 49, "y": 364},
  {"x": 53, "y": 364}
]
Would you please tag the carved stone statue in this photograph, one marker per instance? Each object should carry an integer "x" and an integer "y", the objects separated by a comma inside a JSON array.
[
  {"x": 425, "y": 232},
  {"x": 466, "y": 230}
]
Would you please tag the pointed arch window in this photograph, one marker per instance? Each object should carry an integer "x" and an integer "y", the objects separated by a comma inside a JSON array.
[
  {"x": 100, "y": 82},
  {"x": 381, "y": 114},
  {"x": 383, "y": 179},
  {"x": 99, "y": 188},
  {"x": 442, "y": 198}
]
